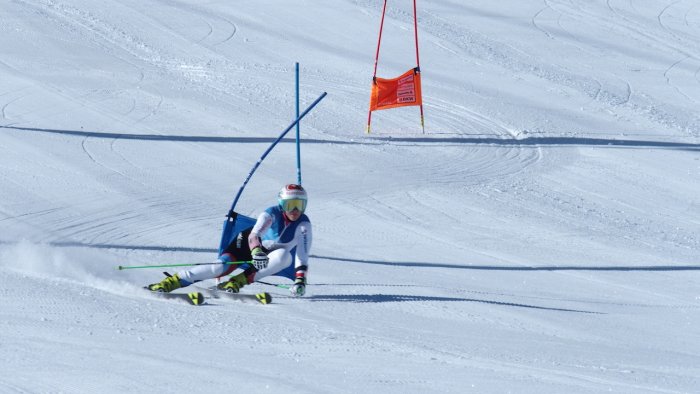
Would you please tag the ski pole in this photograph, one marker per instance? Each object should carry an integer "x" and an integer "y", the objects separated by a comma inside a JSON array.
[
  {"x": 274, "y": 284},
  {"x": 128, "y": 267}
]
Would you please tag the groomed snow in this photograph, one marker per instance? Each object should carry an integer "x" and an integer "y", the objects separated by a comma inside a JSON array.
[{"x": 541, "y": 236}]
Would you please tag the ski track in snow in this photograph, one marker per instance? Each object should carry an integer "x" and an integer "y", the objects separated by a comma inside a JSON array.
[
  {"x": 687, "y": 56},
  {"x": 606, "y": 94},
  {"x": 542, "y": 236},
  {"x": 673, "y": 41}
]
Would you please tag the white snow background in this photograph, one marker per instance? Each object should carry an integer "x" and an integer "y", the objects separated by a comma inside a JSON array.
[{"x": 542, "y": 236}]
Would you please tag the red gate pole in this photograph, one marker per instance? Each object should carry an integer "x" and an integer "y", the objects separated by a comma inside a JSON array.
[
  {"x": 415, "y": 29},
  {"x": 376, "y": 61}
]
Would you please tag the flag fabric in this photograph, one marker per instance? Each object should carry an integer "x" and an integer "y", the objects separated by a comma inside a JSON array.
[{"x": 402, "y": 91}]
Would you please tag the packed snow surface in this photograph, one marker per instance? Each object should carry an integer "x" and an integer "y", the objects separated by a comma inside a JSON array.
[{"x": 541, "y": 236}]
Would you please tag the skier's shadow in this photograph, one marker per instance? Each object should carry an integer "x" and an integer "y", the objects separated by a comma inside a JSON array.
[
  {"x": 439, "y": 140},
  {"x": 619, "y": 268},
  {"x": 379, "y": 298}
]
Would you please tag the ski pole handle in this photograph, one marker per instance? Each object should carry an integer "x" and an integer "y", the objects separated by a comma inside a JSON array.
[{"x": 129, "y": 267}]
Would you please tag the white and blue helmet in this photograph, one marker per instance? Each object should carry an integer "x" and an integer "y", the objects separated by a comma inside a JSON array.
[{"x": 292, "y": 197}]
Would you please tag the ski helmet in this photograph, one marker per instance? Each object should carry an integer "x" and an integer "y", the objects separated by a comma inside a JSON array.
[{"x": 292, "y": 197}]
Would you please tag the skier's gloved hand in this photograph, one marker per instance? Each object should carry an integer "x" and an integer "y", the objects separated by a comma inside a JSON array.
[
  {"x": 260, "y": 259},
  {"x": 299, "y": 287}
]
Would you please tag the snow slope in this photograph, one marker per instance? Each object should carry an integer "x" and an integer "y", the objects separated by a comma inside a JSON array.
[{"x": 540, "y": 237}]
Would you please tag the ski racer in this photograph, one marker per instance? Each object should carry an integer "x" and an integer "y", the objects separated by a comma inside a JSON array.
[{"x": 268, "y": 245}]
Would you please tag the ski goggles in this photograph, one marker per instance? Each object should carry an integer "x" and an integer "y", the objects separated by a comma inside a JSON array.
[{"x": 290, "y": 205}]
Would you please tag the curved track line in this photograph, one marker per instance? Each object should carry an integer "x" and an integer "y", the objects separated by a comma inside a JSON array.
[
  {"x": 207, "y": 17},
  {"x": 688, "y": 55},
  {"x": 641, "y": 30},
  {"x": 533, "y": 20},
  {"x": 601, "y": 94},
  {"x": 234, "y": 30},
  {"x": 4, "y": 107},
  {"x": 611, "y": 8},
  {"x": 659, "y": 17},
  {"x": 154, "y": 109},
  {"x": 82, "y": 20},
  {"x": 687, "y": 48},
  {"x": 668, "y": 78},
  {"x": 685, "y": 17},
  {"x": 116, "y": 152},
  {"x": 209, "y": 33}
]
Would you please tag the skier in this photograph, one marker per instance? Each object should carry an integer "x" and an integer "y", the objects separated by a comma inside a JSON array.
[{"x": 268, "y": 244}]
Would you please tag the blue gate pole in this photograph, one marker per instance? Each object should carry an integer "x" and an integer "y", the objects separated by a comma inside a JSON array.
[
  {"x": 298, "y": 141},
  {"x": 257, "y": 164}
]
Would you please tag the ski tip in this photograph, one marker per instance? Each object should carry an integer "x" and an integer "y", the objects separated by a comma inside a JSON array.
[
  {"x": 264, "y": 298},
  {"x": 193, "y": 298},
  {"x": 196, "y": 298}
]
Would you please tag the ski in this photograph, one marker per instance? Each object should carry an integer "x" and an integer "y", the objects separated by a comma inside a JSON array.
[
  {"x": 262, "y": 297},
  {"x": 193, "y": 298}
]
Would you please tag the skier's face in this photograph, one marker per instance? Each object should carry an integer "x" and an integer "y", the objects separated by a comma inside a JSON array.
[
  {"x": 293, "y": 208},
  {"x": 293, "y": 215}
]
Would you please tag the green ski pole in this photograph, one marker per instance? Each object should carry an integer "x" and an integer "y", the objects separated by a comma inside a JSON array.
[
  {"x": 129, "y": 267},
  {"x": 274, "y": 284}
]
